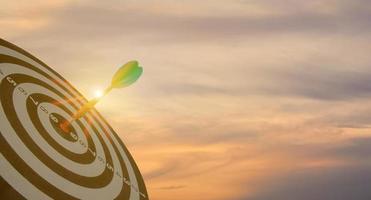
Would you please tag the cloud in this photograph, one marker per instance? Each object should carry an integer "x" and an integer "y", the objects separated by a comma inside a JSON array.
[
  {"x": 147, "y": 23},
  {"x": 322, "y": 82},
  {"x": 357, "y": 150},
  {"x": 340, "y": 184},
  {"x": 172, "y": 187},
  {"x": 348, "y": 179}
]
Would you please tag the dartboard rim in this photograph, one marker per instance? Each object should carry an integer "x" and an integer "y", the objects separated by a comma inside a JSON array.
[{"x": 139, "y": 177}]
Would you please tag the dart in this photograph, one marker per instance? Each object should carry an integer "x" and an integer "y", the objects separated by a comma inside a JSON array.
[{"x": 124, "y": 77}]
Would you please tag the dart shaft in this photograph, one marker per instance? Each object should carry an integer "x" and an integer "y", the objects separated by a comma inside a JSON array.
[
  {"x": 83, "y": 110},
  {"x": 107, "y": 90},
  {"x": 90, "y": 105}
]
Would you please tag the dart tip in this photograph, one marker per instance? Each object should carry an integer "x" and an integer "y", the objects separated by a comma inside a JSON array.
[{"x": 65, "y": 126}]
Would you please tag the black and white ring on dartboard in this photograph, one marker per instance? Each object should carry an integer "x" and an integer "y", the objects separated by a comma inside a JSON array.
[{"x": 38, "y": 160}]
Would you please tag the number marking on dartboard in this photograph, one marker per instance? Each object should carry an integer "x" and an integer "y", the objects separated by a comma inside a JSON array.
[{"x": 88, "y": 162}]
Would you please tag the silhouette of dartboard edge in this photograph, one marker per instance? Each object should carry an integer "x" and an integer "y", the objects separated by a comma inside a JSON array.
[{"x": 38, "y": 159}]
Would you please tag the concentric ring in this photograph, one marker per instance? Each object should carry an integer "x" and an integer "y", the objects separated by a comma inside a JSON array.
[{"x": 37, "y": 161}]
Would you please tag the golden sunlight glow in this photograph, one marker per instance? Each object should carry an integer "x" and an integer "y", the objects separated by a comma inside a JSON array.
[{"x": 98, "y": 93}]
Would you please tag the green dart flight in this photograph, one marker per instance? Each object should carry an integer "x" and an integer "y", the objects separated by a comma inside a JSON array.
[
  {"x": 127, "y": 75},
  {"x": 124, "y": 77}
]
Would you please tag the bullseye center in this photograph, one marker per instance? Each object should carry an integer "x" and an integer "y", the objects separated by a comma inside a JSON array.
[{"x": 65, "y": 131}]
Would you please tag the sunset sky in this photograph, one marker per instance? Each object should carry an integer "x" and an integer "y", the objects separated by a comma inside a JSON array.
[{"x": 239, "y": 99}]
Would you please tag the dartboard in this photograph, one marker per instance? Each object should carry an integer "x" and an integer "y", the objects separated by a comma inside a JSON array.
[{"x": 41, "y": 161}]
